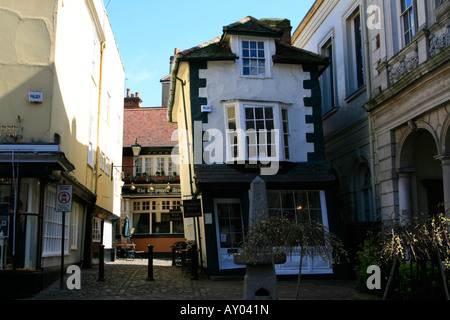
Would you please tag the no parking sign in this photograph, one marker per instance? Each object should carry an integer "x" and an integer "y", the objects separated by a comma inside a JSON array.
[{"x": 63, "y": 198}]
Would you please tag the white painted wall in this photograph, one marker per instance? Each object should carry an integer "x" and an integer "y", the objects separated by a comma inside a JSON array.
[{"x": 284, "y": 85}]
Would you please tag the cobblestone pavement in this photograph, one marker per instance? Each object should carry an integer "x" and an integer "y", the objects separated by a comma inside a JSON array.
[{"x": 127, "y": 280}]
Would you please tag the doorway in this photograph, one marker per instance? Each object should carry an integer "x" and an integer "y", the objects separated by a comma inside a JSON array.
[{"x": 229, "y": 231}]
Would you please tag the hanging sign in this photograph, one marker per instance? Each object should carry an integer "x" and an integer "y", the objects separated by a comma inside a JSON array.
[
  {"x": 63, "y": 198},
  {"x": 192, "y": 208}
]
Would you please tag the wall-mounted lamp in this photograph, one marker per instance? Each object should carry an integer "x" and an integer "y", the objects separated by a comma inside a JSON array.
[
  {"x": 136, "y": 147},
  {"x": 168, "y": 187},
  {"x": 132, "y": 188}
]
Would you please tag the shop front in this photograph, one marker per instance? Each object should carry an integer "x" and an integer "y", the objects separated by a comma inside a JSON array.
[{"x": 295, "y": 194}]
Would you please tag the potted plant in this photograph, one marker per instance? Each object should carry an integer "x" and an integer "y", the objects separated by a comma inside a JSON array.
[
  {"x": 127, "y": 178},
  {"x": 176, "y": 177},
  {"x": 160, "y": 175},
  {"x": 140, "y": 177}
]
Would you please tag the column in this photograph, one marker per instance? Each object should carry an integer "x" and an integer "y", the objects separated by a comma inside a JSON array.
[
  {"x": 404, "y": 194},
  {"x": 445, "y": 159}
]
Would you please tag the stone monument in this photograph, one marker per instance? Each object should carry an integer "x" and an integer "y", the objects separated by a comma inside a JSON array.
[{"x": 260, "y": 280}]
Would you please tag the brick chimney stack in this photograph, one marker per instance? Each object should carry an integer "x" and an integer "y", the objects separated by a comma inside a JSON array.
[{"x": 132, "y": 101}]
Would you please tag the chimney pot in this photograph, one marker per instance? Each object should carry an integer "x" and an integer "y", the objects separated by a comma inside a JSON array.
[{"x": 128, "y": 93}]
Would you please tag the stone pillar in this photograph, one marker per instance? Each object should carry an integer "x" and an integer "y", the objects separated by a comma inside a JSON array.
[
  {"x": 260, "y": 281},
  {"x": 446, "y": 181},
  {"x": 404, "y": 195}
]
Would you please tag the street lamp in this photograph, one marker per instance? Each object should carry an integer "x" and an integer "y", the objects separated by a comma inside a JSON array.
[{"x": 136, "y": 147}]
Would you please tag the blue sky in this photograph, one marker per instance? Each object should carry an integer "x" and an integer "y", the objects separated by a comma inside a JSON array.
[{"x": 148, "y": 31}]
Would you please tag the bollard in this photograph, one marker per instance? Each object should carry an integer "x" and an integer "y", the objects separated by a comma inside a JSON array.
[
  {"x": 150, "y": 263},
  {"x": 101, "y": 266},
  {"x": 194, "y": 263}
]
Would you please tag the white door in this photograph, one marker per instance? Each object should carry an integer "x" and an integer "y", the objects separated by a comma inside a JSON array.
[{"x": 229, "y": 230}]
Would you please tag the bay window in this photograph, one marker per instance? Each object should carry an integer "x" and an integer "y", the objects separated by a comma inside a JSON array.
[{"x": 256, "y": 131}]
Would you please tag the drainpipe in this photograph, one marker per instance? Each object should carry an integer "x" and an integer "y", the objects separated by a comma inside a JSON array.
[
  {"x": 368, "y": 75},
  {"x": 102, "y": 49},
  {"x": 183, "y": 83},
  {"x": 196, "y": 221}
]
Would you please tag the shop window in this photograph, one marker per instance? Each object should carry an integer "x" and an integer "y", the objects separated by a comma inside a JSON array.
[
  {"x": 298, "y": 205},
  {"x": 96, "y": 230},
  {"x": 53, "y": 226},
  {"x": 154, "y": 217}
]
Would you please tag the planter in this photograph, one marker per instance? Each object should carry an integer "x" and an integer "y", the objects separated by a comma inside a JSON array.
[{"x": 259, "y": 259}]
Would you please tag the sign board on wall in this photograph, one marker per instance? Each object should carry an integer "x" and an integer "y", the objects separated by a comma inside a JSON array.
[
  {"x": 63, "y": 198},
  {"x": 192, "y": 208}
]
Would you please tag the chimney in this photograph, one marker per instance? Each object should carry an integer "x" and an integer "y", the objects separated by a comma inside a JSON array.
[
  {"x": 284, "y": 25},
  {"x": 132, "y": 101}
]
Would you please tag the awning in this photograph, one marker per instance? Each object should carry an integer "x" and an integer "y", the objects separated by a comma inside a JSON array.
[{"x": 34, "y": 161}]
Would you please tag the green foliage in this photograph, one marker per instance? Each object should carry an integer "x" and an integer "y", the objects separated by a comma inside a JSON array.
[
  {"x": 367, "y": 255},
  {"x": 278, "y": 235},
  {"x": 409, "y": 244}
]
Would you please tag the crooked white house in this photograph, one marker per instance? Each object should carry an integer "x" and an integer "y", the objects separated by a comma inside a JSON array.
[{"x": 248, "y": 104}]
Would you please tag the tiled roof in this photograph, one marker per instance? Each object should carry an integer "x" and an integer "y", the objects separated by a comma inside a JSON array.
[
  {"x": 149, "y": 126},
  {"x": 250, "y": 25}
]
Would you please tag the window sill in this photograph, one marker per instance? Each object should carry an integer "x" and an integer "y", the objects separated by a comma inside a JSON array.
[
  {"x": 330, "y": 112},
  {"x": 255, "y": 77},
  {"x": 356, "y": 94}
]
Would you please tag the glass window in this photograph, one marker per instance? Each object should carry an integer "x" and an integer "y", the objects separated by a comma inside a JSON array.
[
  {"x": 96, "y": 230},
  {"x": 298, "y": 204},
  {"x": 160, "y": 222},
  {"x": 259, "y": 122},
  {"x": 53, "y": 226},
  {"x": 358, "y": 50},
  {"x": 150, "y": 217},
  {"x": 355, "y": 60},
  {"x": 231, "y": 131},
  {"x": 253, "y": 58},
  {"x": 148, "y": 166},
  {"x": 141, "y": 222},
  {"x": 160, "y": 165},
  {"x": 408, "y": 20},
  {"x": 285, "y": 120},
  {"x": 327, "y": 78}
]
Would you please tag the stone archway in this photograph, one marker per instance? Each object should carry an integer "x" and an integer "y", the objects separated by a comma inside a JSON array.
[{"x": 420, "y": 186}]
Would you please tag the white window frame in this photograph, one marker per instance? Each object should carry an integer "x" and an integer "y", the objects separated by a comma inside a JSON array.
[
  {"x": 267, "y": 58},
  {"x": 167, "y": 164},
  {"x": 411, "y": 10},
  {"x": 239, "y": 107},
  {"x": 328, "y": 77},
  {"x": 75, "y": 218},
  {"x": 52, "y": 227},
  {"x": 351, "y": 61},
  {"x": 96, "y": 229}
]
